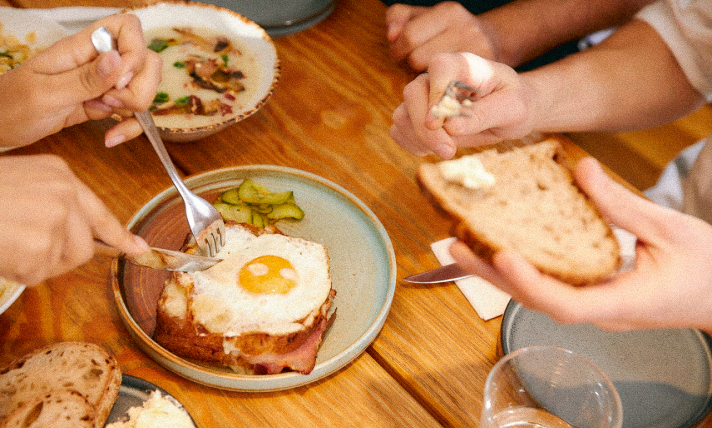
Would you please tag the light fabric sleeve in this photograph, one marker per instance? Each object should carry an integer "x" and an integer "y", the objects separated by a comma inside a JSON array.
[{"x": 685, "y": 27}]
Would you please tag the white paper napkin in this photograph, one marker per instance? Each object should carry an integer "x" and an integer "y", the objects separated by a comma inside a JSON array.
[{"x": 489, "y": 301}]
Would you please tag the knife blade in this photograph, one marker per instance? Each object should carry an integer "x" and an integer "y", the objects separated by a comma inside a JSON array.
[
  {"x": 451, "y": 272},
  {"x": 159, "y": 258}
]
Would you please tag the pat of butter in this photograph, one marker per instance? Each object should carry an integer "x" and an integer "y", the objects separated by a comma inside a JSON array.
[
  {"x": 467, "y": 171},
  {"x": 449, "y": 107},
  {"x": 157, "y": 412}
]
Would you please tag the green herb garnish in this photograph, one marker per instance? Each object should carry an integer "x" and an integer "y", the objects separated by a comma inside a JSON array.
[
  {"x": 161, "y": 97},
  {"x": 158, "y": 45}
]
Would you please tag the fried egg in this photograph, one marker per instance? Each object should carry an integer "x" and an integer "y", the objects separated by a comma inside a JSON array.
[{"x": 270, "y": 283}]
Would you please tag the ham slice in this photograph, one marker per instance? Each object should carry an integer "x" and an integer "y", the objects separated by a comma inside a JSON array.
[{"x": 301, "y": 360}]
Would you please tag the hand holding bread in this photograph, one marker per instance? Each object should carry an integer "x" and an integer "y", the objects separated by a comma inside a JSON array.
[{"x": 670, "y": 285}]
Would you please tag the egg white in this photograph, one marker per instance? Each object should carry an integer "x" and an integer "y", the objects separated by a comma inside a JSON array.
[{"x": 224, "y": 307}]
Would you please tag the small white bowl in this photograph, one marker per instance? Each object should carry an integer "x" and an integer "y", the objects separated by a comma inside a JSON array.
[{"x": 236, "y": 28}]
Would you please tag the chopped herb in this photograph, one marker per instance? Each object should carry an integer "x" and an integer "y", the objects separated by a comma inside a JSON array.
[
  {"x": 158, "y": 45},
  {"x": 179, "y": 64},
  {"x": 161, "y": 98},
  {"x": 182, "y": 100},
  {"x": 224, "y": 58}
]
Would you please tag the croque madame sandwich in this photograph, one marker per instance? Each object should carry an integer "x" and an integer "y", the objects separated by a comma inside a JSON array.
[
  {"x": 263, "y": 310},
  {"x": 524, "y": 199}
]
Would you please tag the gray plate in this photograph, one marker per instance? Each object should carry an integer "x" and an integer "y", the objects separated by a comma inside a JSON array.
[
  {"x": 281, "y": 17},
  {"x": 134, "y": 392},
  {"x": 362, "y": 269},
  {"x": 664, "y": 377}
]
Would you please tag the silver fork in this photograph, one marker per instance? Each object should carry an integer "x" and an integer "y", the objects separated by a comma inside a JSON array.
[
  {"x": 204, "y": 220},
  {"x": 457, "y": 98}
]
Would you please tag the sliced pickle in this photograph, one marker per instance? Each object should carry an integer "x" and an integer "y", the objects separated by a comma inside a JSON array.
[
  {"x": 239, "y": 213},
  {"x": 231, "y": 197},
  {"x": 253, "y": 203},
  {"x": 287, "y": 210},
  {"x": 258, "y": 219},
  {"x": 251, "y": 192}
]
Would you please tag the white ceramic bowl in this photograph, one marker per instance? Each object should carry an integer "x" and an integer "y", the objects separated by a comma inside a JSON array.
[{"x": 237, "y": 28}]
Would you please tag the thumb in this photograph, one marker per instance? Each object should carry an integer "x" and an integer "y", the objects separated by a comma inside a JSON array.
[
  {"x": 93, "y": 79},
  {"x": 619, "y": 205}
]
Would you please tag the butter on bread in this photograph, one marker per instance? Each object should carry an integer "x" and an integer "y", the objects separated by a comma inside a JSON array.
[
  {"x": 215, "y": 317},
  {"x": 45, "y": 376},
  {"x": 528, "y": 203}
]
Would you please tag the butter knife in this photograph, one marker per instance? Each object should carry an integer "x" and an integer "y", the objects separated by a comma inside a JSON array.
[
  {"x": 159, "y": 258},
  {"x": 451, "y": 272}
]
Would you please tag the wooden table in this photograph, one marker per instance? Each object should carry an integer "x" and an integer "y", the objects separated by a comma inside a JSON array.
[{"x": 330, "y": 116}]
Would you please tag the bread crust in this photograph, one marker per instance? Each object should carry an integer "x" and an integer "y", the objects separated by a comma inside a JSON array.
[
  {"x": 431, "y": 185},
  {"x": 60, "y": 408},
  {"x": 79, "y": 366}
]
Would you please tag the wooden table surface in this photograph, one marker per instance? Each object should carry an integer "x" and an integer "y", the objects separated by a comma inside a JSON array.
[{"x": 330, "y": 115}]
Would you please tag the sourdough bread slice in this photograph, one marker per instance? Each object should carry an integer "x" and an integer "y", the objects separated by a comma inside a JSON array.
[
  {"x": 525, "y": 199},
  {"x": 82, "y": 367},
  {"x": 61, "y": 408}
]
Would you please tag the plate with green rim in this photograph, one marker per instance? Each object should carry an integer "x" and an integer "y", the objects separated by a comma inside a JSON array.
[{"x": 362, "y": 268}]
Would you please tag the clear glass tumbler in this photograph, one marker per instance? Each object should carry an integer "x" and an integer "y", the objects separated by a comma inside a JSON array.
[{"x": 549, "y": 387}]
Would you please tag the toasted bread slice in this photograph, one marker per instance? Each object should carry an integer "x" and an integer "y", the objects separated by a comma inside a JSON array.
[
  {"x": 61, "y": 408},
  {"x": 82, "y": 367},
  {"x": 254, "y": 350},
  {"x": 527, "y": 201}
]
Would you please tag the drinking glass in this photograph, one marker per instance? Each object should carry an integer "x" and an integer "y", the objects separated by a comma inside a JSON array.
[{"x": 549, "y": 387}]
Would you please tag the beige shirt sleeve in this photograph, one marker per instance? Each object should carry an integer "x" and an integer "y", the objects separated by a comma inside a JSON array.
[{"x": 685, "y": 27}]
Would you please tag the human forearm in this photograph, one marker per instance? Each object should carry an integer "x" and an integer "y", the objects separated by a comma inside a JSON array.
[
  {"x": 630, "y": 81},
  {"x": 524, "y": 29}
]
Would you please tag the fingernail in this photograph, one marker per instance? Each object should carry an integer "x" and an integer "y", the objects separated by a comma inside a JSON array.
[
  {"x": 99, "y": 105},
  {"x": 141, "y": 244},
  {"x": 124, "y": 81},
  {"x": 108, "y": 63},
  {"x": 390, "y": 32},
  {"x": 111, "y": 101},
  {"x": 445, "y": 151},
  {"x": 114, "y": 141}
]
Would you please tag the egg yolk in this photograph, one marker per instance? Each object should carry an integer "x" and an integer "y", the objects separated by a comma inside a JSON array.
[{"x": 268, "y": 275}]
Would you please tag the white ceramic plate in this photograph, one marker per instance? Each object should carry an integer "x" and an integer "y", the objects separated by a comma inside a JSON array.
[
  {"x": 134, "y": 392},
  {"x": 362, "y": 267}
]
